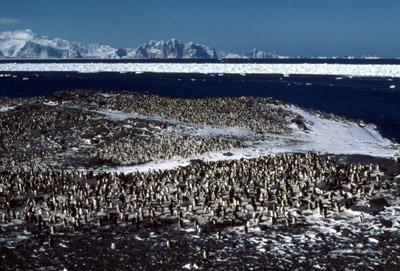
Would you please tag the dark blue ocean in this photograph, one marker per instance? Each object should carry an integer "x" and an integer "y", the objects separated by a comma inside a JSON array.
[{"x": 370, "y": 99}]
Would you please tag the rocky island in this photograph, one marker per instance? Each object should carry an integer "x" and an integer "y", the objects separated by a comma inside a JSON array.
[{"x": 122, "y": 180}]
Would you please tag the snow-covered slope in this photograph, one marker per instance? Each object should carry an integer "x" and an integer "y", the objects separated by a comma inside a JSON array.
[
  {"x": 26, "y": 44},
  {"x": 323, "y": 135}
]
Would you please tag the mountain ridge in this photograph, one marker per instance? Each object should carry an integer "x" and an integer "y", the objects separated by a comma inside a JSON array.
[{"x": 25, "y": 44}]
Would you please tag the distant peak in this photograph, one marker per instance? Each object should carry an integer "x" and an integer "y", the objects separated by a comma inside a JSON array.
[
  {"x": 174, "y": 40},
  {"x": 27, "y": 44}
]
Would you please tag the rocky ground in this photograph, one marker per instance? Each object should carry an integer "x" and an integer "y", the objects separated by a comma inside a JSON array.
[{"x": 301, "y": 211}]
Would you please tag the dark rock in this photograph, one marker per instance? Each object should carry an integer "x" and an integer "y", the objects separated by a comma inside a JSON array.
[
  {"x": 378, "y": 203},
  {"x": 373, "y": 207},
  {"x": 386, "y": 223},
  {"x": 346, "y": 232},
  {"x": 324, "y": 186},
  {"x": 300, "y": 123},
  {"x": 263, "y": 227},
  {"x": 347, "y": 202},
  {"x": 196, "y": 162},
  {"x": 329, "y": 185}
]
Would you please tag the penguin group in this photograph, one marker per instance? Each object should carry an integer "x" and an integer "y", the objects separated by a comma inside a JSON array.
[
  {"x": 68, "y": 130},
  {"x": 52, "y": 150},
  {"x": 254, "y": 113},
  {"x": 270, "y": 191},
  {"x": 159, "y": 147}
]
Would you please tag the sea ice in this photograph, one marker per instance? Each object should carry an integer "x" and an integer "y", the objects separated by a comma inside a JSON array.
[{"x": 340, "y": 70}]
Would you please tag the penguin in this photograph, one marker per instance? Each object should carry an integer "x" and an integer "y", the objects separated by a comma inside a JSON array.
[
  {"x": 51, "y": 242},
  {"x": 205, "y": 254}
]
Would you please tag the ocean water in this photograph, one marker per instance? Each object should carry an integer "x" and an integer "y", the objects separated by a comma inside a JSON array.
[{"x": 375, "y": 100}]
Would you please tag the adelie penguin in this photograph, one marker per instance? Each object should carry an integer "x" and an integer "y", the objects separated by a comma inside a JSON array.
[
  {"x": 51, "y": 242},
  {"x": 245, "y": 229},
  {"x": 205, "y": 254}
]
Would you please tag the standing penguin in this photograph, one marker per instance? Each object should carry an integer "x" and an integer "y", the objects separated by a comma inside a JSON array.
[{"x": 205, "y": 254}]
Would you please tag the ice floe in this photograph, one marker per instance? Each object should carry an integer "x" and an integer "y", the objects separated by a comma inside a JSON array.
[{"x": 340, "y": 70}]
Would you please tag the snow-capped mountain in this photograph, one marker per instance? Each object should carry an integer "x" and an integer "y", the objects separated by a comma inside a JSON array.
[
  {"x": 171, "y": 49},
  {"x": 26, "y": 44},
  {"x": 258, "y": 54},
  {"x": 229, "y": 55},
  {"x": 253, "y": 54}
]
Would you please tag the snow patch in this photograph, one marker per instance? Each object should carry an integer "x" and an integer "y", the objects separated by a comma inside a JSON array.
[
  {"x": 322, "y": 136},
  {"x": 6, "y": 108}
]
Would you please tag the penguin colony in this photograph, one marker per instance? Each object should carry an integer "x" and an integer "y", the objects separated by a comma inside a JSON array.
[
  {"x": 66, "y": 130},
  {"x": 52, "y": 150},
  {"x": 162, "y": 147},
  {"x": 272, "y": 191},
  {"x": 257, "y": 114}
]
